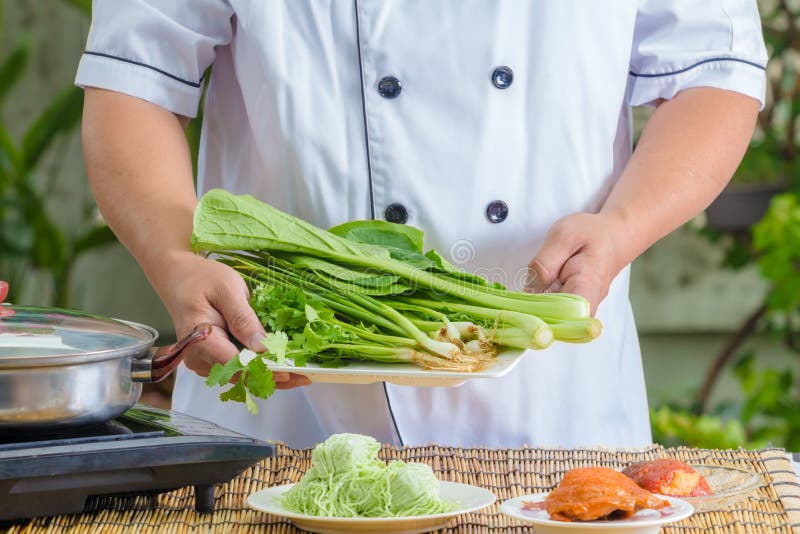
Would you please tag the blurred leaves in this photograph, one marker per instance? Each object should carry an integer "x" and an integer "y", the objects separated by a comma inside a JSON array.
[
  {"x": 773, "y": 155},
  {"x": 12, "y": 68},
  {"x": 84, "y": 5},
  {"x": 97, "y": 236},
  {"x": 767, "y": 415},
  {"x": 30, "y": 236},
  {"x": 61, "y": 115},
  {"x": 769, "y": 412},
  {"x": 10, "y": 158},
  {"x": 776, "y": 238},
  {"x": 769, "y": 409},
  {"x": 673, "y": 427},
  {"x": 764, "y": 163}
]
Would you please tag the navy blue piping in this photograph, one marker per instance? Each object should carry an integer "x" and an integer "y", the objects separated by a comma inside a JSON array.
[
  {"x": 145, "y": 65},
  {"x": 364, "y": 110},
  {"x": 391, "y": 413},
  {"x": 690, "y": 67},
  {"x": 371, "y": 194}
]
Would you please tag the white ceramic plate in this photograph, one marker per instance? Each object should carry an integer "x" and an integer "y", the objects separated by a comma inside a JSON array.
[
  {"x": 645, "y": 521},
  {"x": 403, "y": 374},
  {"x": 469, "y": 499}
]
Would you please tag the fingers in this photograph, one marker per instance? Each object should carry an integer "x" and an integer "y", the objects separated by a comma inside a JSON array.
[
  {"x": 216, "y": 348},
  {"x": 289, "y": 380},
  {"x": 544, "y": 269},
  {"x": 573, "y": 267},
  {"x": 578, "y": 277},
  {"x": 232, "y": 302},
  {"x": 577, "y": 256},
  {"x": 579, "y": 285}
]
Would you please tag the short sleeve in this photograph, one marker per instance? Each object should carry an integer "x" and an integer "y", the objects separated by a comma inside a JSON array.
[
  {"x": 156, "y": 50},
  {"x": 679, "y": 44}
]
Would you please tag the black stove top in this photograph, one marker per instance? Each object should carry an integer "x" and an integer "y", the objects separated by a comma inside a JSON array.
[
  {"x": 109, "y": 431},
  {"x": 145, "y": 450}
]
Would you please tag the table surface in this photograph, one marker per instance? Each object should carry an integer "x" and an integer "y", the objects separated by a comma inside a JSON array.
[{"x": 774, "y": 507}]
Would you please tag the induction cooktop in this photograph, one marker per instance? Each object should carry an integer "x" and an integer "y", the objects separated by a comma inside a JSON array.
[{"x": 144, "y": 451}]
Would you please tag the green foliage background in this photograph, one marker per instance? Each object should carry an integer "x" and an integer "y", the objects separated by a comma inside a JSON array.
[
  {"x": 35, "y": 239},
  {"x": 769, "y": 410}
]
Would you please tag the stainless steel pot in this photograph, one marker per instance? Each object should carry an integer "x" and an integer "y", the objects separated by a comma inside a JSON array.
[{"x": 62, "y": 368}]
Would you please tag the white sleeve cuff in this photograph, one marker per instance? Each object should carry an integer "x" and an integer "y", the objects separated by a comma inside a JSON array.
[
  {"x": 733, "y": 74},
  {"x": 142, "y": 81}
]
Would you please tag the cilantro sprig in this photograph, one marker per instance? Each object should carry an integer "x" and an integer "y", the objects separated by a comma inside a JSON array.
[{"x": 254, "y": 377}]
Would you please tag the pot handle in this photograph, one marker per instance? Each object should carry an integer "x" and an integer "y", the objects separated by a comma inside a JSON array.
[{"x": 159, "y": 362}]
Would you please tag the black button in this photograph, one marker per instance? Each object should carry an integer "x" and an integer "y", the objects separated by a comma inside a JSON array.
[
  {"x": 389, "y": 87},
  {"x": 497, "y": 211},
  {"x": 396, "y": 213},
  {"x": 502, "y": 77}
]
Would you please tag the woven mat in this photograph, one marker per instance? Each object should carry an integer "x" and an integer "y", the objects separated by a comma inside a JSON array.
[{"x": 508, "y": 473}]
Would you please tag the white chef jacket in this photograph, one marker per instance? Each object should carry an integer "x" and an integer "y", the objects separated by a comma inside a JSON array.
[{"x": 449, "y": 112}]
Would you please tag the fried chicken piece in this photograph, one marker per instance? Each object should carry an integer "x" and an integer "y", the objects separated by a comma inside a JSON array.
[
  {"x": 668, "y": 476},
  {"x": 590, "y": 493}
]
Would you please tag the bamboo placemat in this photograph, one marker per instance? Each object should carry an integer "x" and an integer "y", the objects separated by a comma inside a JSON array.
[{"x": 775, "y": 507}]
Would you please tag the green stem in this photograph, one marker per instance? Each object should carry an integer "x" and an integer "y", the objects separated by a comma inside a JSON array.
[
  {"x": 578, "y": 331},
  {"x": 378, "y": 338},
  {"x": 389, "y": 317},
  {"x": 513, "y": 337},
  {"x": 557, "y": 305},
  {"x": 448, "y": 350},
  {"x": 375, "y": 353},
  {"x": 273, "y": 274},
  {"x": 541, "y": 335}
]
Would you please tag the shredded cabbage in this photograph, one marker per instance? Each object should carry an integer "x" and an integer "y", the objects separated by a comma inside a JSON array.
[
  {"x": 344, "y": 453},
  {"x": 346, "y": 479}
]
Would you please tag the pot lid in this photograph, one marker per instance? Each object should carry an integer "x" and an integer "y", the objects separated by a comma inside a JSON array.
[{"x": 31, "y": 336}]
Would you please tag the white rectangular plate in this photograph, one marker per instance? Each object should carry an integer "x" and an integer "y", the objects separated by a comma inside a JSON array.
[{"x": 403, "y": 374}]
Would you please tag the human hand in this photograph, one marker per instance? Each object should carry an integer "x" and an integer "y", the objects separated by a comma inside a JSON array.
[
  {"x": 580, "y": 254},
  {"x": 196, "y": 290}
]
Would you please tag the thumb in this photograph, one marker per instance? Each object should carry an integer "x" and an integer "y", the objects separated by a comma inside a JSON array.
[
  {"x": 241, "y": 320},
  {"x": 544, "y": 268}
]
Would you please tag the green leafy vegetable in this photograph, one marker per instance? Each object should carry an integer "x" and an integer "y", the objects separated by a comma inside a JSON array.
[
  {"x": 221, "y": 374},
  {"x": 276, "y": 342},
  {"x": 255, "y": 380},
  {"x": 258, "y": 380},
  {"x": 343, "y": 453},
  {"x": 236, "y": 393},
  {"x": 382, "y": 233},
  {"x": 365, "y": 290},
  {"x": 225, "y": 222},
  {"x": 346, "y": 479}
]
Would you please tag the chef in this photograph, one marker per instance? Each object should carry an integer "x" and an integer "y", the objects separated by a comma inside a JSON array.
[{"x": 500, "y": 128}]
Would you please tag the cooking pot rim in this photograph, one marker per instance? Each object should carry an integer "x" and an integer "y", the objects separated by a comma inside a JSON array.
[{"x": 79, "y": 357}]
